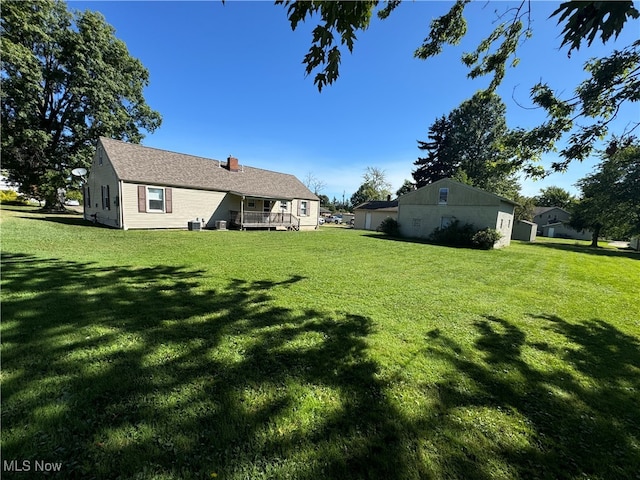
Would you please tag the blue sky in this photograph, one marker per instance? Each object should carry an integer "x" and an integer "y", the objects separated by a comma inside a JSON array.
[{"x": 228, "y": 80}]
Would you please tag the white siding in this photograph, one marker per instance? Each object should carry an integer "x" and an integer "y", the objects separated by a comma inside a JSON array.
[
  {"x": 187, "y": 205},
  {"x": 309, "y": 221},
  {"x": 102, "y": 175}
]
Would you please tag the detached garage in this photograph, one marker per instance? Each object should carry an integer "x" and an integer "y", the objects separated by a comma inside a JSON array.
[
  {"x": 369, "y": 215},
  {"x": 437, "y": 205}
]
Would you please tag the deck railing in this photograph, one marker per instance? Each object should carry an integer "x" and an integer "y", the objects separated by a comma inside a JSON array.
[{"x": 263, "y": 220}]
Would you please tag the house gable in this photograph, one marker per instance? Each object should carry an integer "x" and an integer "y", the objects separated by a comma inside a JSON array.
[
  {"x": 102, "y": 196},
  {"x": 458, "y": 194},
  {"x": 547, "y": 215}
]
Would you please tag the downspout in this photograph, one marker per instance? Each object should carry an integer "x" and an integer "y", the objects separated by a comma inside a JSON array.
[
  {"x": 242, "y": 213},
  {"x": 120, "y": 207},
  {"x": 85, "y": 205}
]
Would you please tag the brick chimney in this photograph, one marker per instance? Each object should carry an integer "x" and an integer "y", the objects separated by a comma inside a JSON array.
[{"x": 232, "y": 164}]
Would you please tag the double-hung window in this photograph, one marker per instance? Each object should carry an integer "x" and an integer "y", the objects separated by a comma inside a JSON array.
[
  {"x": 155, "y": 199},
  {"x": 443, "y": 196},
  {"x": 304, "y": 208}
]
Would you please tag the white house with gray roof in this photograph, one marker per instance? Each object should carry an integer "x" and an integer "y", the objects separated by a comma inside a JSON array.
[{"x": 135, "y": 187}]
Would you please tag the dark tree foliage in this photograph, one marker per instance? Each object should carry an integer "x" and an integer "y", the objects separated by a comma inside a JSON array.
[
  {"x": 525, "y": 208},
  {"x": 407, "y": 186},
  {"x": 438, "y": 163},
  {"x": 344, "y": 18},
  {"x": 610, "y": 202},
  {"x": 555, "y": 197}
]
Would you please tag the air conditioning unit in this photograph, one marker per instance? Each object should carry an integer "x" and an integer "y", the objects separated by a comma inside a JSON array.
[{"x": 221, "y": 225}]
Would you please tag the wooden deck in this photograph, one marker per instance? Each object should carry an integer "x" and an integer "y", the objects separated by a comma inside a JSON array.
[{"x": 278, "y": 221}]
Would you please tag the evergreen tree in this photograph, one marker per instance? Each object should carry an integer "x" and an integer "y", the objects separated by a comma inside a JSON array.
[
  {"x": 469, "y": 144},
  {"x": 407, "y": 186},
  {"x": 438, "y": 163}
]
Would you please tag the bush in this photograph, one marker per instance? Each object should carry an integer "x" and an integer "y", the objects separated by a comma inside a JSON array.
[
  {"x": 10, "y": 197},
  {"x": 486, "y": 239},
  {"x": 390, "y": 226},
  {"x": 74, "y": 195},
  {"x": 454, "y": 234},
  {"x": 465, "y": 235}
]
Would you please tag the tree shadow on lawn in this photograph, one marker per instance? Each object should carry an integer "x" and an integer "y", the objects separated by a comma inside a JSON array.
[
  {"x": 145, "y": 373},
  {"x": 587, "y": 249},
  {"x": 577, "y": 421},
  {"x": 65, "y": 219},
  {"x": 141, "y": 372}
]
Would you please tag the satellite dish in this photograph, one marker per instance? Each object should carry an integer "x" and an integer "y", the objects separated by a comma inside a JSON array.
[{"x": 79, "y": 172}]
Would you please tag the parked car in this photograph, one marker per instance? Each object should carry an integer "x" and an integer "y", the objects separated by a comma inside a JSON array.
[
  {"x": 320, "y": 220},
  {"x": 335, "y": 219}
]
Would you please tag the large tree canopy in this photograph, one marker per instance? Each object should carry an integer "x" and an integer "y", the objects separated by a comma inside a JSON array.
[
  {"x": 555, "y": 197},
  {"x": 66, "y": 80},
  {"x": 613, "y": 80},
  {"x": 610, "y": 202},
  {"x": 468, "y": 145}
]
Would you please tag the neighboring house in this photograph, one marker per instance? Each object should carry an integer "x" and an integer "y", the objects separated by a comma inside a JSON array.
[
  {"x": 131, "y": 187},
  {"x": 545, "y": 215},
  {"x": 369, "y": 215},
  {"x": 554, "y": 222},
  {"x": 438, "y": 204},
  {"x": 563, "y": 230},
  {"x": 524, "y": 230}
]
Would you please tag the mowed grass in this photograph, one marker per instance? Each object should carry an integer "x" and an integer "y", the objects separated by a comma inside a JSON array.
[{"x": 336, "y": 354}]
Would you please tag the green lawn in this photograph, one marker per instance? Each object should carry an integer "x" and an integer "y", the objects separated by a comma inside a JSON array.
[{"x": 336, "y": 354}]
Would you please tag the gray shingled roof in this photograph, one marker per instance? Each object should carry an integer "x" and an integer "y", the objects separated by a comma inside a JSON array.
[
  {"x": 139, "y": 164},
  {"x": 378, "y": 205},
  {"x": 540, "y": 210}
]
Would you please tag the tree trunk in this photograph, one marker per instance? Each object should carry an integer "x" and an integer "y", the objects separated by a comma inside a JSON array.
[
  {"x": 54, "y": 204},
  {"x": 594, "y": 238}
]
